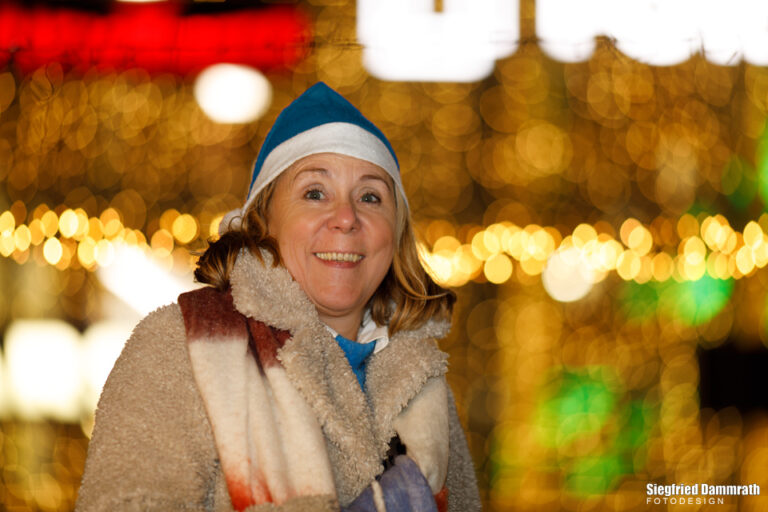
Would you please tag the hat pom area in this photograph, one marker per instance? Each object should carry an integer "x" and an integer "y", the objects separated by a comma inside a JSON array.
[{"x": 232, "y": 221}]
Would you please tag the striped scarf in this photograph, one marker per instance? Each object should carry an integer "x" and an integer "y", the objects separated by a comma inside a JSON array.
[{"x": 268, "y": 439}]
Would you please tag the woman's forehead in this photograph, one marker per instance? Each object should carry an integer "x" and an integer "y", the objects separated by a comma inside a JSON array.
[{"x": 332, "y": 165}]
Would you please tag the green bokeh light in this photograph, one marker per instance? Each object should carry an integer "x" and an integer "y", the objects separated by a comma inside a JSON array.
[
  {"x": 639, "y": 302},
  {"x": 696, "y": 302},
  {"x": 761, "y": 159},
  {"x": 637, "y": 420},
  {"x": 574, "y": 404},
  {"x": 595, "y": 475},
  {"x": 739, "y": 182},
  {"x": 690, "y": 302},
  {"x": 590, "y": 405}
]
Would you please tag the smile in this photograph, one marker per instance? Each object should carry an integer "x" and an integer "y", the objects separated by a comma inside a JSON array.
[{"x": 339, "y": 256}]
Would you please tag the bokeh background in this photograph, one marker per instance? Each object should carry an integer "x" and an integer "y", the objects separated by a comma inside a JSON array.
[{"x": 598, "y": 207}]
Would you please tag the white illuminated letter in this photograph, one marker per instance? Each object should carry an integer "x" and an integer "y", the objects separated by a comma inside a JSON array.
[
  {"x": 407, "y": 40},
  {"x": 567, "y": 29},
  {"x": 657, "y": 32}
]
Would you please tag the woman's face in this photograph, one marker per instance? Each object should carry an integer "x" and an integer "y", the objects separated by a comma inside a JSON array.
[{"x": 333, "y": 217}]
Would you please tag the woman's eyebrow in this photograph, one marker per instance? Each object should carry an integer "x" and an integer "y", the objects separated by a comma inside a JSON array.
[
  {"x": 375, "y": 177},
  {"x": 312, "y": 170}
]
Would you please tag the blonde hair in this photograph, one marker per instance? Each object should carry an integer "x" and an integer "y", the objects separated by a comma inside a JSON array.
[{"x": 406, "y": 298}]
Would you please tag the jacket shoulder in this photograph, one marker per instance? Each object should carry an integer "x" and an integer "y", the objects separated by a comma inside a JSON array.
[{"x": 150, "y": 423}]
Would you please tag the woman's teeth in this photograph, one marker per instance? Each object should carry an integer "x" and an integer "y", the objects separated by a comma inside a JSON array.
[{"x": 339, "y": 256}]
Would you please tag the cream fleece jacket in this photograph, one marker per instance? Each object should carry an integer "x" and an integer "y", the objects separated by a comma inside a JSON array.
[{"x": 153, "y": 448}]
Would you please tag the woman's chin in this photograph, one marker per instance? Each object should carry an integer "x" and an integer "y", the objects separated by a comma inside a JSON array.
[{"x": 337, "y": 306}]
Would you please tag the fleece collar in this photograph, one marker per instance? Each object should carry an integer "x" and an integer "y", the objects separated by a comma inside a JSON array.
[
  {"x": 358, "y": 426},
  {"x": 369, "y": 332}
]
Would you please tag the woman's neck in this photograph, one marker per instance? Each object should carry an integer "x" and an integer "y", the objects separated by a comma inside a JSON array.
[{"x": 347, "y": 326}]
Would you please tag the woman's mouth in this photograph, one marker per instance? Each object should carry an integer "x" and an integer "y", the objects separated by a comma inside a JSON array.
[{"x": 348, "y": 257}]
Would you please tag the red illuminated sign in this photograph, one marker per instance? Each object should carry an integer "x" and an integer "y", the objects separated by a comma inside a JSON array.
[{"x": 153, "y": 36}]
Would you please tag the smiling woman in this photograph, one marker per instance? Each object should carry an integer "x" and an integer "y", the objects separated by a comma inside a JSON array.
[{"x": 306, "y": 376}]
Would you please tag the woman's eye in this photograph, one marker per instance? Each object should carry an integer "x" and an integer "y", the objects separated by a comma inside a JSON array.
[
  {"x": 370, "y": 197},
  {"x": 313, "y": 194}
]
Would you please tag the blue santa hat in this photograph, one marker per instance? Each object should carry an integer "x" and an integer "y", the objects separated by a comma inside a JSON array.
[{"x": 318, "y": 121}]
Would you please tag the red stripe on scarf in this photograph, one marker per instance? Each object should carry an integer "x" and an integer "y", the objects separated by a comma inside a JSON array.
[
  {"x": 265, "y": 342},
  {"x": 242, "y": 496},
  {"x": 210, "y": 315},
  {"x": 239, "y": 494},
  {"x": 441, "y": 500}
]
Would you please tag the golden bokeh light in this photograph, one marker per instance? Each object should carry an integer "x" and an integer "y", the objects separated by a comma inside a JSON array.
[
  {"x": 185, "y": 228},
  {"x": 53, "y": 251},
  {"x": 168, "y": 218},
  {"x": 213, "y": 231},
  {"x": 7, "y": 222},
  {"x": 104, "y": 253},
  {"x": 753, "y": 235},
  {"x": 22, "y": 238},
  {"x": 693, "y": 250},
  {"x": 498, "y": 269},
  {"x": 162, "y": 242},
  {"x": 95, "y": 228},
  {"x": 36, "y": 231},
  {"x": 7, "y": 243},
  {"x": 687, "y": 226},
  {"x": 608, "y": 255},
  {"x": 744, "y": 260},
  {"x": 479, "y": 249},
  {"x": 490, "y": 242},
  {"x": 532, "y": 266},
  {"x": 50, "y": 223},
  {"x": 446, "y": 243},
  {"x": 692, "y": 268},
  {"x": 628, "y": 265},
  {"x": 68, "y": 223},
  {"x": 662, "y": 266},
  {"x": 640, "y": 240},
  {"x": 583, "y": 234},
  {"x": 86, "y": 252}
]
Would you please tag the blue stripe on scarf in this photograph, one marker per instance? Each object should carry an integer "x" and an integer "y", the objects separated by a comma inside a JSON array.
[{"x": 357, "y": 355}]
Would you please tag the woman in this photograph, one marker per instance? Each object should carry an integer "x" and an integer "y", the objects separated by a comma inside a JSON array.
[{"x": 306, "y": 377}]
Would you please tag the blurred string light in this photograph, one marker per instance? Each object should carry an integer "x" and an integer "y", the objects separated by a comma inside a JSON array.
[
  {"x": 406, "y": 40},
  {"x": 654, "y": 32},
  {"x": 569, "y": 265},
  {"x": 73, "y": 239},
  {"x": 230, "y": 93}
]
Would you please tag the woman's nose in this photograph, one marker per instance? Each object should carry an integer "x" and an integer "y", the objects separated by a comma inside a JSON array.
[{"x": 344, "y": 217}]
